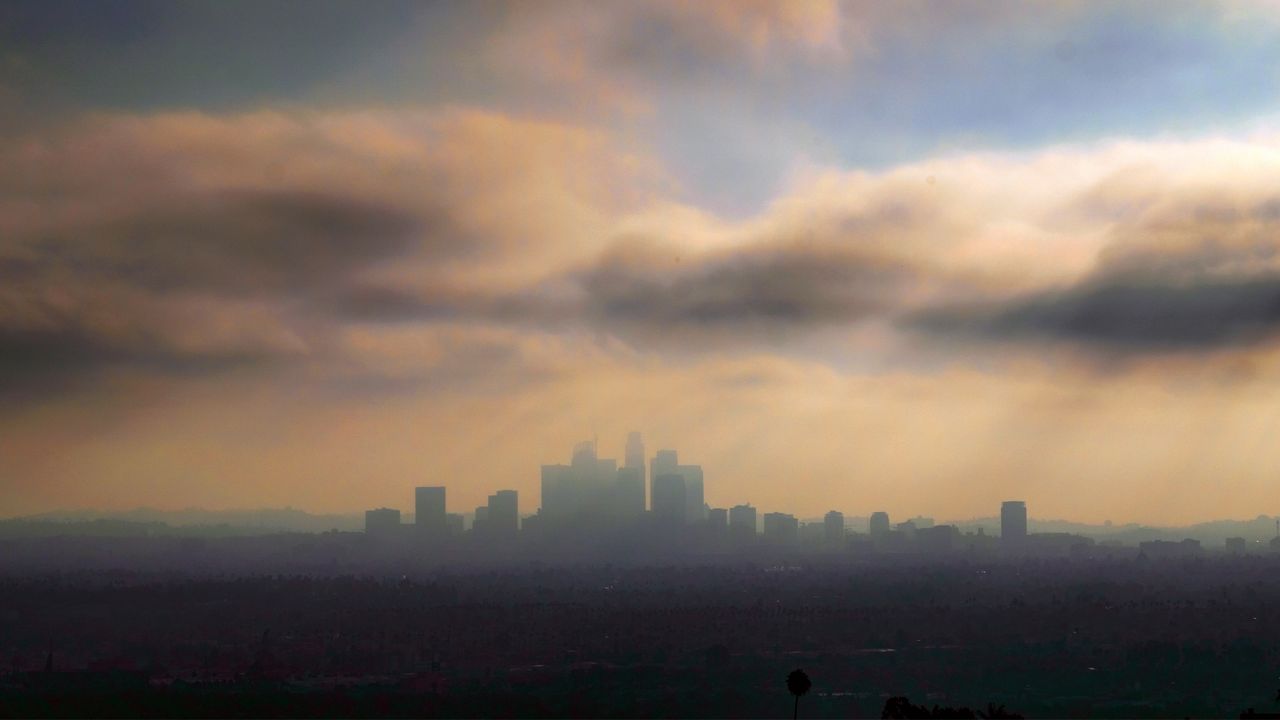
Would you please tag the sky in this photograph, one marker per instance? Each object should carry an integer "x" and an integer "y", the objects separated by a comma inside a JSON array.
[{"x": 920, "y": 257}]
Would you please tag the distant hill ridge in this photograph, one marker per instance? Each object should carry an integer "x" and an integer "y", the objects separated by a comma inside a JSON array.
[
  {"x": 150, "y": 521},
  {"x": 1211, "y": 533}
]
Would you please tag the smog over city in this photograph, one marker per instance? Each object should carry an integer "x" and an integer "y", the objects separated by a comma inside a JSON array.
[{"x": 658, "y": 358}]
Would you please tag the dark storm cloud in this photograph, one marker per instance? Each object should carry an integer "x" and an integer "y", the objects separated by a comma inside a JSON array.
[
  {"x": 1126, "y": 314},
  {"x": 242, "y": 241},
  {"x": 781, "y": 287},
  {"x": 652, "y": 294},
  {"x": 1193, "y": 274},
  {"x": 37, "y": 361},
  {"x": 182, "y": 285}
]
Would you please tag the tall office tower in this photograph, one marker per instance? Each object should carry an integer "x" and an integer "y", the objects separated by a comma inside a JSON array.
[
  {"x": 628, "y": 492},
  {"x": 382, "y": 522},
  {"x": 664, "y": 462},
  {"x": 670, "y": 502},
  {"x": 428, "y": 511},
  {"x": 634, "y": 457},
  {"x": 457, "y": 523},
  {"x": 879, "y": 524},
  {"x": 695, "y": 507},
  {"x": 781, "y": 529},
  {"x": 718, "y": 520},
  {"x": 556, "y": 491},
  {"x": 504, "y": 512},
  {"x": 480, "y": 520},
  {"x": 833, "y": 528},
  {"x": 584, "y": 453},
  {"x": 742, "y": 523},
  {"x": 1013, "y": 524},
  {"x": 582, "y": 492}
]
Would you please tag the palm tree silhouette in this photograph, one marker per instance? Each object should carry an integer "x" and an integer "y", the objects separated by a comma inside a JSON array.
[{"x": 798, "y": 683}]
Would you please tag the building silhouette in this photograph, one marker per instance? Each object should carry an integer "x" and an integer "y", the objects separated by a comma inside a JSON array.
[
  {"x": 634, "y": 455},
  {"x": 742, "y": 523},
  {"x": 695, "y": 506},
  {"x": 582, "y": 492},
  {"x": 628, "y": 492},
  {"x": 456, "y": 523},
  {"x": 833, "y": 528},
  {"x": 664, "y": 462},
  {"x": 718, "y": 520},
  {"x": 1013, "y": 524},
  {"x": 907, "y": 529},
  {"x": 670, "y": 498},
  {"x": 879, "y": 524},
  {"x": 503, "y": 516},
  {"x": 429, "y": 516},
  {"x": 382, "y": 522},
  {"x": 781, "y": 529},
  {"x": 938, "y": 539}
]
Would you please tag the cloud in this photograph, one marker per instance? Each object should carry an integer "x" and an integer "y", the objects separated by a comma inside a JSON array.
[
  {"x": 697, "y": 285},
  {"x": 242, "y": 241},
  {"x": 1127, "y": 315},
  {"x": 766, "y": 291},
  {"x": 614, "y": 57},
  {"x": 1132, "y": 247},
  {"x": 55, "y": 339},
  {"x": 1191, "y": 264},
  {"x": 182, "y": 242}
]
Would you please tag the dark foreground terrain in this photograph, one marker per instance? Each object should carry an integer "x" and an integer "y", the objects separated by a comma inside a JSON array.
[{"x": 1046, "y": 638}]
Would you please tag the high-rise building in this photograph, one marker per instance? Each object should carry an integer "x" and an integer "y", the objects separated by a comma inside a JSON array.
[
  {"x": 629, "y": 492},
  {"x": 670, "y": 503},
  {"x": 556, "y": 490},
  {"x": 503, "y": 516},
  {"x": 584, "y": 491},
  {"x": 429, "y": 510},
  {"x": 382, "y": 522},
  {"x": 742, "y": 523},
  {"x": 718, "y": 520},
  {"x": 634, "y": 457},
  {"x": 457, "y": 523},
  {"x": 480, "y": 520},
  {"x": 1013, "y": 524},
  {"x": 695, "y": 505},
  {"x": 664, "y": 462},
  {"x": 833, "y": 528},
  {"x": 879, "y": 524},
  {"x": 781, "y": 529}
]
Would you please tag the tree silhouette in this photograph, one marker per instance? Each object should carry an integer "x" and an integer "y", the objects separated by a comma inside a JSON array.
[
  {"x": 798, "y": 684},
  {"x": 998, "y": 712}
]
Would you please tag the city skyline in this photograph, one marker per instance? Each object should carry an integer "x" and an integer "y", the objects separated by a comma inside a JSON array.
[
  {"x": 920, "y": 256},
  {"x": 431, "y": 500},
  {"x": 624, "y": 494},
  {"x": 591, "y": 509}
]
